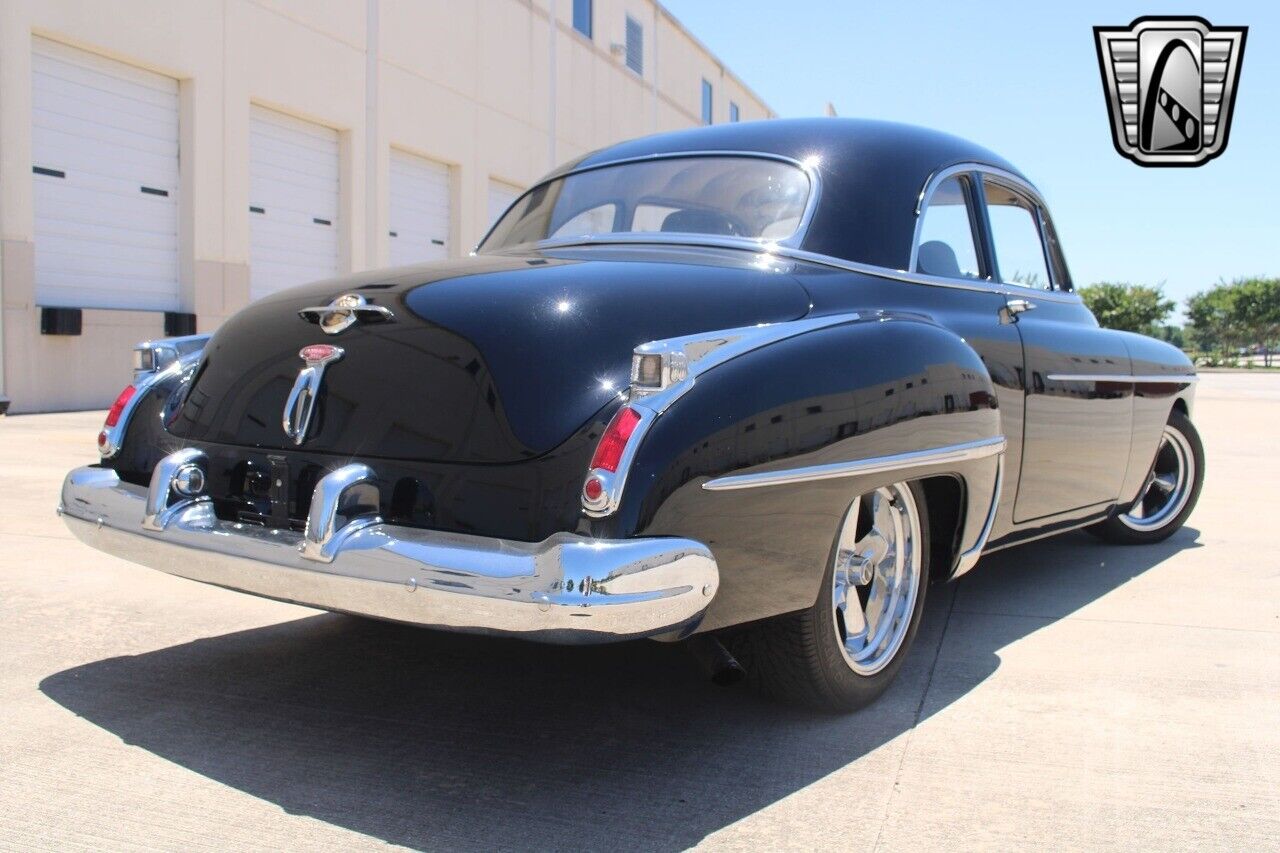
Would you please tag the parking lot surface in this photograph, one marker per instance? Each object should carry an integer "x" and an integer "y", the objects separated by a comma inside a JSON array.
[{"x": 1066, "y": 693}]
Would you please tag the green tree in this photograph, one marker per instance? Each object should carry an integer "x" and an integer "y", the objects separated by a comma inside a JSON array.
[
  {"x": 1212, "y": 317},
  {"x": 1128, "y": 307},
  {"x": 1255, "y": 308}
]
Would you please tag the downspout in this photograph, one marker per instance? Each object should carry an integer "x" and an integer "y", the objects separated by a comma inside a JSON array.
[
  {"x": 553, "y": 25},
  {"x": 373, "y": 226}
]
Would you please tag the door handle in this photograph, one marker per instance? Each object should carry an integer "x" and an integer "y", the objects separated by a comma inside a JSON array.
[{"x": 1013, "y": 307}]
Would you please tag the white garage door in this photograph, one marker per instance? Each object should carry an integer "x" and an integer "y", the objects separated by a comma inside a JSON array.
[
  {"x": 419, "y": 214},
  {"x": 500, "y": 197},
  {"x": 293, "y": 202},
  {"x": 104, "y": 141}
]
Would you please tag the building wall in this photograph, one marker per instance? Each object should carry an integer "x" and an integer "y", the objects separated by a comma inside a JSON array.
[{"x": 487, "y": 87}]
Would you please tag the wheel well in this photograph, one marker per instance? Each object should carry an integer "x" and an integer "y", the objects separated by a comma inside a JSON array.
[
  {"x": 943, "y": 497},
  {"x": 1180, "y": 405}
]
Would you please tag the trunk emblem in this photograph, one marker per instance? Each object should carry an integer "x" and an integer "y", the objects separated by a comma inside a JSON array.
[
  {"x": 344, "y": 312},
  {"x": 302, "y": 399}
]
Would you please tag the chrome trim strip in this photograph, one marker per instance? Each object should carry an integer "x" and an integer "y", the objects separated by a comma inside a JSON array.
[
  {"x": 952, "y": 453},
  {"x": 969, "y": 558},
  {"x": 795, "y": 239},
  {"x": 566, "y": 589},
  {"x": 771, "y": 251},
  {"x": 1170, "y": 379}
]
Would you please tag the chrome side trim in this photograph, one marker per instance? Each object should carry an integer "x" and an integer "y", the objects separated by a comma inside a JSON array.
[
  {"x": 565, "y": 589},
  {"x": 1156, "y": 379},
  {"x": 797, "y": 237},
  {"x": 969, "y": 558},
  {"x": 898, "y": 462}
]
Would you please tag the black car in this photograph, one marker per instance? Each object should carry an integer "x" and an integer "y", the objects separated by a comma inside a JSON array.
[{"x": 756, "y": 385}]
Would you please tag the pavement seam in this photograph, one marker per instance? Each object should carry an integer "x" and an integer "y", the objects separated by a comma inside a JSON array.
[{"x": 924, "y": 696}]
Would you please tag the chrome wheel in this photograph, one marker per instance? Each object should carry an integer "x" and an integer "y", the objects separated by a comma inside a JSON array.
[
  {"x": 876, "y": 577},
  {"x": 1168, "y": 485}
]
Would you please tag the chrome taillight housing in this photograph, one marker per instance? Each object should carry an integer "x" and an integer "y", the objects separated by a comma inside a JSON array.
[{"x": 607, "y": 474}]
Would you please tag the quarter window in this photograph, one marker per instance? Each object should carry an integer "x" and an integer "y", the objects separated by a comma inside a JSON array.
[
  {"x": 1015, "y": 231},
  {"x": 582, "y": 16},
  {"x": 947, "y": 247}
]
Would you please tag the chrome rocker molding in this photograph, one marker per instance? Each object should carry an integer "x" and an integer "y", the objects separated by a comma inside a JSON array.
[
  {"x": 1154, "y": 379},
  {"x": 903, "y": 462},
  {"x": 565, "y": 589}
]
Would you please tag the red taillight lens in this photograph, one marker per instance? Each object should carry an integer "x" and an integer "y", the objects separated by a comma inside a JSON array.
[
  {"x": 113, "y": 416},
  {"x": 609, "y": 451}
]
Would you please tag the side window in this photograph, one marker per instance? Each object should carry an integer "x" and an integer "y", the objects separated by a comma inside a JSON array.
[
  {"x": 947, "y": 247},
  {"x": 1015, "y": 231},
  {"x": 597, "y": 220}
]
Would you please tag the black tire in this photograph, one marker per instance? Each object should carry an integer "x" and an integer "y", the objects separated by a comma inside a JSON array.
[
  {"x": 798, "y": 658},
  {"x": 1121, "y": 529}
]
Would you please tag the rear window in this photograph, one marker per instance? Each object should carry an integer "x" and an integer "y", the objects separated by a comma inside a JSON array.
[{"x": 745, "y": 197}]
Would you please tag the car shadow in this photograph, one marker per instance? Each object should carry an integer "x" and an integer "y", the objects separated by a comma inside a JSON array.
[{"x": 435, "y": 740}]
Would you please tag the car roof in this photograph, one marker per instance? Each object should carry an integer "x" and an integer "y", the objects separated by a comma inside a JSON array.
[{"x": 871, "y": 173}]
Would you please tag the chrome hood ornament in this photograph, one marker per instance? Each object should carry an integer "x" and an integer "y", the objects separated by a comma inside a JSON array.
[
  {"x": 302, "y": 399},
  {"x": 344, "y": 312}
]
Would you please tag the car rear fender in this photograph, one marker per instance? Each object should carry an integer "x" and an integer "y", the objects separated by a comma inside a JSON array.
[{"x": 763, "y": 455}]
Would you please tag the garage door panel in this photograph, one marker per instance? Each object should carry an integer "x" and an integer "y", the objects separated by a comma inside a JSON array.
[
  {"x": 419, "y": 214},
  {"x": 62, "y": 288},
  {"x": 106, "y": 211},
  {"x": 293, "y": 180},
  {"x": 104, "y": 107},
  {"x": 111, "y": 129},
  {"x": 85, "y": 72},
  {"x": 274, "y": 195},
  {"x": 67, "y": 132},
  {"x": 61, "y": 236}
]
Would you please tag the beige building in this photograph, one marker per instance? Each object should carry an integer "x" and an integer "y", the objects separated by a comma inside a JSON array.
[{"x": 162, "y": 164}]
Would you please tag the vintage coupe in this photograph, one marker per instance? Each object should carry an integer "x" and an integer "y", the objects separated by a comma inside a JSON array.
[{"x": 755, "y": 385}]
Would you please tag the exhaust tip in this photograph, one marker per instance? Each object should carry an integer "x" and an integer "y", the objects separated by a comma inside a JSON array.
[{"x": 715, "y": 660}]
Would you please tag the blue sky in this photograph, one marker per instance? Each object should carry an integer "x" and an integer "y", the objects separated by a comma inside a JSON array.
[{"x": 1022, "y": 79}]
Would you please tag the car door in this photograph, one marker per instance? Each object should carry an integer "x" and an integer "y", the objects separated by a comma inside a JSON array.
[{"x": 1077, "y": 420}]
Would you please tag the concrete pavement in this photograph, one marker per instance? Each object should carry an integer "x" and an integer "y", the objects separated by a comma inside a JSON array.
[{"x": 1066, "y": 694}]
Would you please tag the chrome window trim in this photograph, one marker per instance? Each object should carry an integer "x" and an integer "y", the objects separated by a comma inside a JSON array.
[
  {"x": 809, "y": 169},
  {"x": 1015, "y": 183},
  {"x": 1037, "y": 215},
  {"x": 947, "y": 454},
  {"x": 773, "y": 251},
  {"x": 1156, "y": 379}
]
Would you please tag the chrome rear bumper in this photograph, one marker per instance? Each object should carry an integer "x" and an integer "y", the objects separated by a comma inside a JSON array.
[{"x": 565, "y": 589}]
